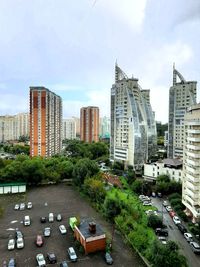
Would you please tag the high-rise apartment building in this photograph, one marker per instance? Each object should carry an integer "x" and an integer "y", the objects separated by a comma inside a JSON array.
[
  {"x": 133, "y": 126},
  {"x": 191, "y": 163},
  {"x": 69, "y": 129},
  {"x": 77, "y": 122},
  {"x": 181, "y": 95},
  {"x": 104, "y": 128},
  {"x": 12, "y": 127},
  {"x": 89, "y": 124},
  {"x": 45, "y": 122}
]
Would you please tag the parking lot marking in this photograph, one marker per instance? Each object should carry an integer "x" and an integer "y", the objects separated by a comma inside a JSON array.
[
  {"x": 10, "y": 229},
  {"x": 14, "y": 221}
]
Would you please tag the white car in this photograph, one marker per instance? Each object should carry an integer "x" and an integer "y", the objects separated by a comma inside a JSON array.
[
  {"x": 22, "y": 206},
  {"x": 168, "y": 208},
  {"x": 165, "y": 204},
  {"x": 62, "y": 229},
  {"x": 176, "y": 220},
  {"x": 47, "y": 231},
  {"x": 20, "y": 242},
  {"x": 16, "y": 207},
  {"x": 188, "y": 237},
  {"x": 29, "y": 205},
  {"x": 72, "y": 254},
  {"x": 11, "y": 244},
  {"x": 40, "y": 260},
  {"x": 147, "y": 203},
  {"x": 163, "y": 240}
]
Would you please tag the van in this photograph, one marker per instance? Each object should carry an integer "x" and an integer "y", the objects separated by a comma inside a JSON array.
[
  {"x": 51, "y": 217},
  {"x": 27, "y": 220}
]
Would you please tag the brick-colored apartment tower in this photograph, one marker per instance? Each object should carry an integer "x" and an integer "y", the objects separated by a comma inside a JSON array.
[
  {"x": 45, "y": 122},
  {"x": 89, "y": 124}
]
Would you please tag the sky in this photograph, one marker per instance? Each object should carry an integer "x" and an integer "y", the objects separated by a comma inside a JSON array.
[{"x": 71, "y": 48}]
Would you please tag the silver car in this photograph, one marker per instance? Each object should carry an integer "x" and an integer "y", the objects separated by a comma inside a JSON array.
[{"x": 47, "y": 231}]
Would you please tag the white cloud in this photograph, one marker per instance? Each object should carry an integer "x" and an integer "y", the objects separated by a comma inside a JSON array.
[{"x": 131, "y": 12}]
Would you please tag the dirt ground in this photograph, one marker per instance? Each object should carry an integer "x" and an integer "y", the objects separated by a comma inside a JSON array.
[{"x": 57, "y": 199}]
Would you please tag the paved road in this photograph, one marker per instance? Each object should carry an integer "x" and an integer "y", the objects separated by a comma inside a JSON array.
[{"x": 175, "y": 235}]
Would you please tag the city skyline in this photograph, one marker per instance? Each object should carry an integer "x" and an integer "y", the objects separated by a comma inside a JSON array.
[{"x": 72, "y": 48}]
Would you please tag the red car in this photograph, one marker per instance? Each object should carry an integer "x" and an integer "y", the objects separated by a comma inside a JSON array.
[
  {"x": 172, "y": 214},
  {"x": 39, "y": 241}
]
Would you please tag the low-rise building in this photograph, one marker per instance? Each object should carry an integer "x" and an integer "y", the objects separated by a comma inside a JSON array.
[
  {"x": 170, "y": 167},
  {"x": 90, "y": 235}
]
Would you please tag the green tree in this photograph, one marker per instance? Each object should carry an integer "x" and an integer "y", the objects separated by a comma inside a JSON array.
[
  {"x": 65, "y": 169},
  {"x": 94, "y": 187},
  {"x": 154, "y": 221},
  {"x": 137, "y": 186},
  {"x": 83, "y": 169},
  {"x": 112, "y": 208}
]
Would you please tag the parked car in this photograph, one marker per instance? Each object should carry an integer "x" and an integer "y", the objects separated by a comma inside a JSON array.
[
  {"x": 63, "y": 264},
  {"x": 153, "y": 194},
  {"x": 182, "y": 228},
  {"x": 147, "y": 203},
  {"x": 22, "y": 206},
  {"x": 176, "y": 220},
  {"x": 51, "y": 257},
  {"x": 47, "y": 231},
  {"x": 188, "y": 237},
  {"x": 12, "y": 262},
  {"x": 165, "y": 204},
  {"x": 20, "y": 242},
  {"x": 29, "y": 205},
  {"x": 108, "y": 258},
  {"x": 18, "y": 234},
  {"x": 59, "y": 218},
  {"x": 27, "y": 220},
  {"x": 62, "y": 229},
  {"x": 16, "y": 207},
  {"x": 4, "y": 264},
  {"x": 168, "y": 208},
  {"x": 161, "y": 232},
  {"x": 40, "y": 260},
  {"x": 159, "y": 194},
  {"x": 72, "y": 254},
  {"x": 39, "y": 241},
  {"x": 163, "y": 240},
  {"x": 43, "y": 219},
  {"x": 11, "y": 244},
  {"x": 51, "y": 217},
  {"x": 195, "y": 247},
  {"x": 172, "y": 213}
]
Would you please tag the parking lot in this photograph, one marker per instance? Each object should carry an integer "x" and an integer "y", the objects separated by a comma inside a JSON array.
[{"x": 57, "y": 199}]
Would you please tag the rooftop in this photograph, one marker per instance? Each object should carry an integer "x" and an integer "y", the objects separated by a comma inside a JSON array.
[
  {"x": 172, "y": 162},
  {"x": 84, "y": 229}
]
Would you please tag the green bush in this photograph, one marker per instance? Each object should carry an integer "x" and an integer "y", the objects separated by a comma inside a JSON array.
[{"x": 174, "y": 196}]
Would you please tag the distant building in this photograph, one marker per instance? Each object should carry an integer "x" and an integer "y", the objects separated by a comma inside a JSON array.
[
  {"x": 170, "y": 167},
  {"x": 181, "y": 95},
  {"x": 104, "y": 128},
  {"x": 166, "y": 139},
  {"x": 91, "y": 236},
  {"x": 191, "y": 163},
  {"x": 69, "y": 129},
  {"x": 133, "y": 128},
  {"x": 89, "y": 124},
  {"x": 77, "y": 122},
  {"x": 12, "y": 127},
  {"x": 45, "y": 122}
]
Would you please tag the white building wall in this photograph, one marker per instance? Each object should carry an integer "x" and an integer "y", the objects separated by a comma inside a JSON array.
[{"x": 152, "y": 171}]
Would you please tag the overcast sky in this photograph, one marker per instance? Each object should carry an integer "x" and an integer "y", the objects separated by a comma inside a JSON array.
[{"x": 70, "y": 47}]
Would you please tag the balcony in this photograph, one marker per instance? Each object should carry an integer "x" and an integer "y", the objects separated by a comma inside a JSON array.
[
  {"x": 196, "y": 148},
  {"x": 193, "y": 139},
  {"x": 192, "y": 178},
  {"x": 193, "y": 131},
  {"x": 193, "y": 162},
  {"x": 194, "y": 188},
  {"x": 193, "y": 155},
  {"x": 191, "y": 200}
]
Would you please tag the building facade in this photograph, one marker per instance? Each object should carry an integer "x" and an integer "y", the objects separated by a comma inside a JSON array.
[
  {"x": 69, "y": 129},
  {"x": 104, "y": 128},
  {"x": 181, "y": 95},
  {"x": 133, "y": 128},
  {"x": 45, "y": 122},
  {"x": 170, "y": 167},
  {"x": 89, "y": 124},
  {"x": 77, "y": 122},
  {"x": 191, "y": 163},
  {"x": 12, "y": 127}
]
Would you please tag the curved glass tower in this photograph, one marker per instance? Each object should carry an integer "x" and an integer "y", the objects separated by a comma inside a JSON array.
[{"x": 133, "y": 127}]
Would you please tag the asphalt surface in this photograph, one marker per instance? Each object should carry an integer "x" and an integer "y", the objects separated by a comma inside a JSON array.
[
  {"x": 57, "y": 199},
  {"x": 176, "y": 235}
]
